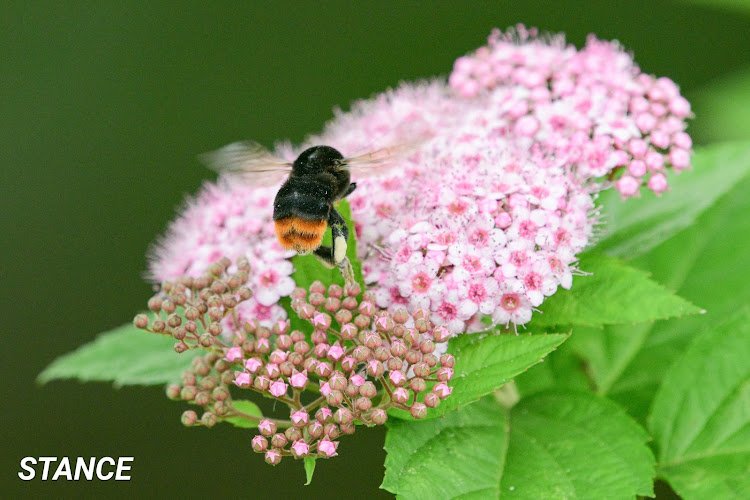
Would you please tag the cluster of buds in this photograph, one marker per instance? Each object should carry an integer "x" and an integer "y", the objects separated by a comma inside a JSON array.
[
  {"x": 357, "y": 362},
  {"x": 192, "y": 310}
]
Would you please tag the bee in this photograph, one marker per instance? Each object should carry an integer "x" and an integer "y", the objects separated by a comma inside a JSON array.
[{"x": 304, "y": 205}]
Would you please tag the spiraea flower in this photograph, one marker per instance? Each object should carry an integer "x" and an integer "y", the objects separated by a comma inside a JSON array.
[
  {"x": 486, "y": 215},
  {"x": 358, "y": 362}
]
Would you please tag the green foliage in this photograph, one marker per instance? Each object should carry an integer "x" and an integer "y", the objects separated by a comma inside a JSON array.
[
  {"x": 724, "y": 107},
  {"x": 613, "y": 294},
  {"x": 247, "y": 407},
  {"x": 309, "y": 469},
  {"x": 701, "y": 415},
  {"x": 125, "y": 356},
  {"x": 553, "y": 445},
  {"x": 638, "y": 225}
]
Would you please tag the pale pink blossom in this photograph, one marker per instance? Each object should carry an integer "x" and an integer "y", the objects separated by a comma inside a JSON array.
[{"x": 327, "y": 448}]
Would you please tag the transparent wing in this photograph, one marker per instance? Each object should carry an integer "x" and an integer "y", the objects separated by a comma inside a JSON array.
[
  {"x": 381, "y": 159},
  {"x": 247, "y": 161}
]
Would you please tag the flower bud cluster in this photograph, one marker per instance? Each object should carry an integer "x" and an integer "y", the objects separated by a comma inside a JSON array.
[
  {"x": 192, "y": 310},
  {"x": 357, "y": 362}
]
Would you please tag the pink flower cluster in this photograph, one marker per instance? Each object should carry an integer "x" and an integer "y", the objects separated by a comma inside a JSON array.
[
  {"x": 485, "y": 217},
  {"x": 591, "y": 109}
]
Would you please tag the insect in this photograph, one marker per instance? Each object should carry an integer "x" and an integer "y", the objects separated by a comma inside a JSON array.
[{"x": 304, "y": 205}]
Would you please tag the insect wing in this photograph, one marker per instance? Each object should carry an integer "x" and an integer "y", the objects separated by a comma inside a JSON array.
[
  {"x": 248, "y": 162},
  {"x": 381, "y": 159}
]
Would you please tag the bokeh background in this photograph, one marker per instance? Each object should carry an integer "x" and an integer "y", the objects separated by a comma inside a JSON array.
[{"x": 103, "y": 109}]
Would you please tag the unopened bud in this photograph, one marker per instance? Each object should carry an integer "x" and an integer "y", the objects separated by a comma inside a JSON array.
[
  {"x": 431, "y": 400},
  {"x": 189, "y": 417},
  {"x": 447, "y": 360},
  {"x": 279, "y": 440},
  {"x": 259, "y": 443},
  {"x": 154, "y": 303},
  {"x": 273, "y": 457},
  {"x": 208, "y": 419},
  {"x": 140, "y": 321},
  {"x": 202, "y": 398},
  {"x": 158, "y": 325},
  {"x": 379, "y": 416},
  {"x": 316, "y": 299},
  {"x": 349, "y": 303},
  {"x": 368, "y": 390},
  {"x": 188, "y": 392},
  {"x": 315, "y": 429},
  {"x": 173, "y": 391},
  {"x": 363, "y": 404},
  {"x": 417, "y": 384},
  {"x": 293, "y": 434},
  {"x": 343, "y": 316},
  {"x": 418, "y": 410}
]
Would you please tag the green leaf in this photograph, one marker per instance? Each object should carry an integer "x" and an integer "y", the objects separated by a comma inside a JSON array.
[
  {"x": 487, "y": 361},
  {"x": 552, "y": 445},
  {"x": 614, "y": 294},
  {"x": 701, "y": 414},
  {"x": 723, "y": 107},
  {"x": 636, "y": 226},
  {"x": 247, "y": 407},
  {"x": 125, "y": 356},
  {"x": 309, "y": 469},
  {"x": 704, "y": 265}
]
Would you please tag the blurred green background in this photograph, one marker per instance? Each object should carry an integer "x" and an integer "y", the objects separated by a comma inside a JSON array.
[{"x": 104, "y": 107}]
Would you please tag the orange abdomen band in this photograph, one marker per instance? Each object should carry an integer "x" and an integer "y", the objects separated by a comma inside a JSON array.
[{"x": 301, "y": 235}]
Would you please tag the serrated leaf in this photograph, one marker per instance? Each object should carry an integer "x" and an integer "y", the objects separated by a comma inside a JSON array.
[
  {"x": 487, "y": 361},
  {"x": 309, "y": 469},
  {"x": 614, "y": 294},
  {"x": 705, "y": 265},
  {"x": 551, "y": 445},
  {"x": 125, "y": 356},
  {"x": 701, "y": 415},
  {"x": 247, "y": 407},
  {"x": 636, "y": 226}
]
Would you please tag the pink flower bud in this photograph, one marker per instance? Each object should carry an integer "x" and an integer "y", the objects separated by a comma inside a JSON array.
[
  {"x": 300, "y": 418},
  {"x": 348, "y": 364},
  {"x": 375, "y": 368},
  {"x": 327, "y": 448},
  {"x": 397, "y": 378},
  {"x": 273, "y": 457},
  {"x": 298, "y": 380},
  {"x": 277, "y": 357},
  {"x": 325, "y": 389},
  {"x": 315, "y": 429},
  {"x": 259, "y": 443},
  {"x": 277, "y": 389},
  {"x": 323, "y": 415},
  {"x": 348, "y": 331},
  {"x": 418, "y": 410},
  {"x": 444, "y": 374},
  {"x": 300, "y": 448},
  {"x": 242, "y": 379},
  {"x": 336, "y": 352},
  {"x": 379, "y": 416},
  {"x": 448, "y": 360},
  {"x": 321, "y": 321},
  {"x": 442, "y": 390},
  {"x": 342, "y": 416},
  {"x": 273, "y": 370},
  {"x": 234, "y": 354},
  {"x": 266, "y": 427},
  {"x": 278, "y": 440},
  {"x": 400, "y": 395}
]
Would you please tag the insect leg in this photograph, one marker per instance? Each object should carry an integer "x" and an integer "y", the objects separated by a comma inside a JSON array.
[
  {"x": 350, "y": 189},
  {"x": 340, "y": 235},
  {"x": 325, "y": 256}
]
